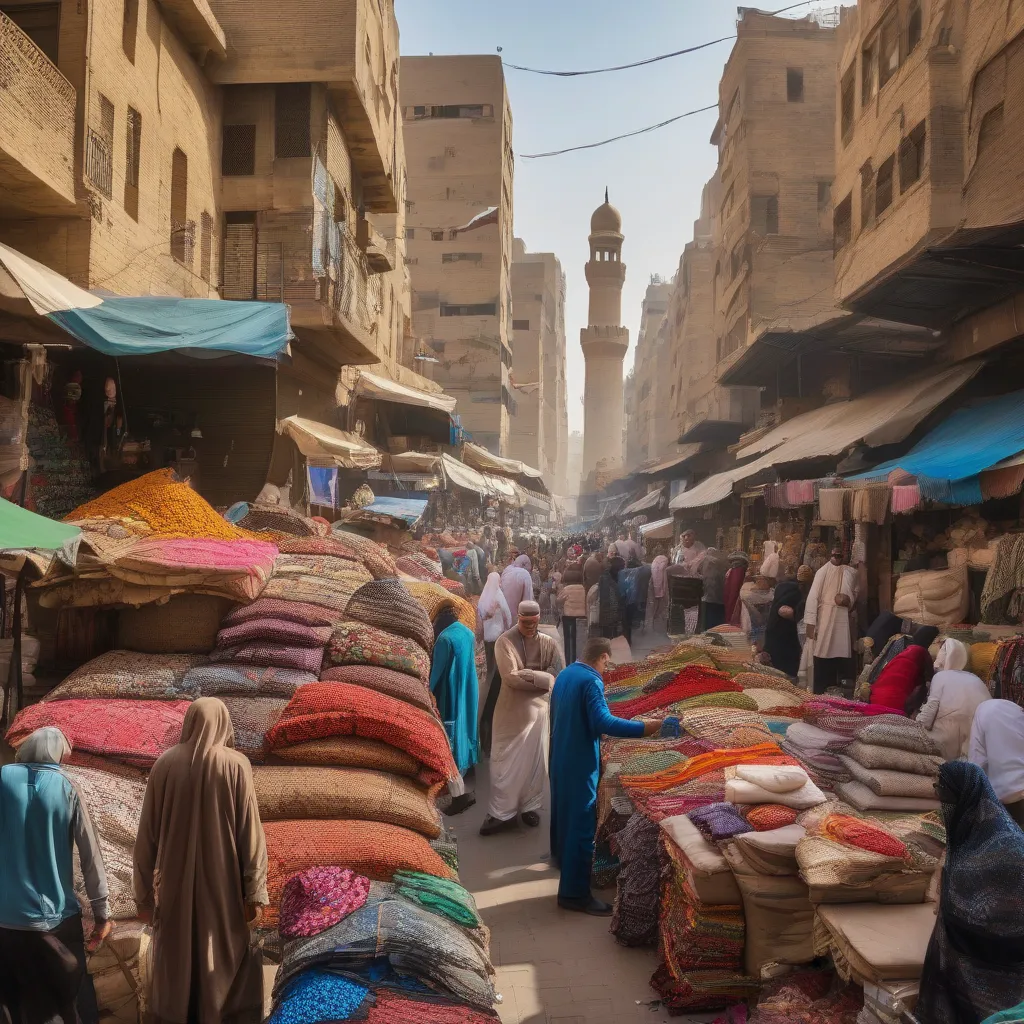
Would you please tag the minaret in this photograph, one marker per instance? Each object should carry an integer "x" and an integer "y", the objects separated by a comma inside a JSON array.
[{"x": 604, "y": 342}]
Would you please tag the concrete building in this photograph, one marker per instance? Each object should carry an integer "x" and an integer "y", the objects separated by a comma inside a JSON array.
[
  {"x": 458, "y": 143},
  {"x": 604, "y": 342},
  {"x": 648, "y": 412},
  {"x": 929, "y": 190},
  {"x": 538, "y": 429},
  {"x": 771, "y": 197}
]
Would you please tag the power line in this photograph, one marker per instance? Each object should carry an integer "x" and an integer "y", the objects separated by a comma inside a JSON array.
[
  {"x": 616, "y": 138},
  {"x": 620, "y": 67}
]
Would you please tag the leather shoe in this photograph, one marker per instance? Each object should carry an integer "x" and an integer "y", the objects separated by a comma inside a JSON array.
[
  {"x": 492, "y": 826},
  {"x": 531, "y": 818},
  {"x": 590, "y": 905},
  {"x": 460, "y": 804}
]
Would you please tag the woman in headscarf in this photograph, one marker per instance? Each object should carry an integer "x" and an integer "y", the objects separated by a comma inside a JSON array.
[
  {"x": 756, "y": 600},
  {"x": 603, "y": 603},
  {"x": 455, "y": 688},
  {"x": 974, "y": 965},
  {"x": 201, "y": 876},
  {"x": 657, "y": 600},
  {"x": 42, "y": 945},
  {"x": 734, "y": 580},
  {"x": 712, "y": 570},
  {"x": 952, "y": 700},
  {"x": 494, "y": 617},
  {"x": 997, "y": 747},
  {"x": 781, "y": 640},
  {"x": 517, "y": 581},
  {"x": 906, "y": 672}
]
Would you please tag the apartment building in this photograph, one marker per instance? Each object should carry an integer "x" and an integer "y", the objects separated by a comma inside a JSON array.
[
  {"x": 458, "y": 231},
  {"x": 109, "y": 143},
  {"x": 538, "y": 429},
  {"x": 929, "y": 189},
  {"x": 643, "y": 437},
  {"x": 771, "y": 215}
]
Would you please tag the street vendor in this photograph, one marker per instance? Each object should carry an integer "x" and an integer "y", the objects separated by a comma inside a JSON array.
[{"x": 828, "y": 620}]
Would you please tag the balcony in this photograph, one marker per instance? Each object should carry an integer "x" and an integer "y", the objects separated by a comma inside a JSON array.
[
  {"x": 379, "y": 251},
  {"x": 37, "y": 130}
]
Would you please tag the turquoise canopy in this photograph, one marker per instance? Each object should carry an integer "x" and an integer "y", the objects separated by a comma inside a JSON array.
[{"x": 22, "y": 530}]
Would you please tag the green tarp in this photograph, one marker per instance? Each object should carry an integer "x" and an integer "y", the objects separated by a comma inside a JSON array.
[{"x": 22, "y": 530}]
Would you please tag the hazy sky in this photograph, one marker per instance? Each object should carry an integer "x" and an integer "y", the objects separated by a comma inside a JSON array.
[{"x": 655, "y": 180}]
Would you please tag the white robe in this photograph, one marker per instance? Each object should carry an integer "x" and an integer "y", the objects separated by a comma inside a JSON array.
[
  {"x": 833, "y": 637},
  {"x": 519, "y": 739}
]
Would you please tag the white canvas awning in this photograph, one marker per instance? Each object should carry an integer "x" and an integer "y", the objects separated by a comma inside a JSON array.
[
  {"x": 321, "y": 441},
  {"x": 660, "y": 530},
  {"x": 369, "y": 385},
  {"x": 464, "y": 476},
  {"x": 650, "y": 500}
]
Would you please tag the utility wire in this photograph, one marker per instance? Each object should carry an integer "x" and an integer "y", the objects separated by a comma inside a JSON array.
[{"x": 616, "y": 138}]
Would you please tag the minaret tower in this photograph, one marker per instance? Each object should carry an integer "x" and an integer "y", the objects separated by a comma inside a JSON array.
[{"x": 604, "y": 342}]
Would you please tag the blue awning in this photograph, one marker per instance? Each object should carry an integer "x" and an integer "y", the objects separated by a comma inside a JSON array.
[
  {"x": 142, "y": 326},
  {"x": 947, "y": 461},
  {"x": 408, "y": 509}
]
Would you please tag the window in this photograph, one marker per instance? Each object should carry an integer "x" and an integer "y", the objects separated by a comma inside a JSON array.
[
  {"x": 181, "y": 245},
  {"x": 888, "y": 48},
  {"x": 912, "y": 157},
  {"x": 842, "y": 223},
  {"x": 868, "y": 73},
  {"x": 239, "y": 277},
  {"x": 824, "y": 195},
  {"x": 867, "y": 188},
  {"x": 410, "y": 233},
  {"x": 130, "y": 28},
  {"x": 99, "y": 162},
  {"x": 291, "y": 120},
  {"x": 883, "y": 186},
  {"x": 40, "y": 22},
  {"x": 764, "y": 214},
  {"x": 437, "y": 236},
  {"x": 469, "y": 110},
  {"x": 520, "y": 325},
  {"x": 795, "y": 85},
  {"x": 458, "y": 257},
  {"x": 453, "y": 233},
  {"x": 914, "y": 26},
  {"x": 848, "y": 102},
  {"x": 238, "y": 150},
  {"x": 132, "y": 160},
  {"x": 479, "y": 309},
  {"x": 205, "y": 246}
]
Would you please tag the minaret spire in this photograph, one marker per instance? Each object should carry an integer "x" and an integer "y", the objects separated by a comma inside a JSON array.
[{"x": 606, "y": 193}]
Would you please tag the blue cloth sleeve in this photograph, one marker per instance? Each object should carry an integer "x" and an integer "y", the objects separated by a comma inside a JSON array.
[{"x": 603, "y": 722}]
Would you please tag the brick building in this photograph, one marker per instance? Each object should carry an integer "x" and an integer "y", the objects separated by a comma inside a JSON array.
[
  {"x": 458, "y": 144},
  {"x": 644, "y": 417}
]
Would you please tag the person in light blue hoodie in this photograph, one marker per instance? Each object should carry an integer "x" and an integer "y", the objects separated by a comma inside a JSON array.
[{"x": 42, "y": 945}]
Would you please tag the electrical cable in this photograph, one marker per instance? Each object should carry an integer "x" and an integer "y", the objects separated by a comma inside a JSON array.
[{"x": 616, "y": 138}]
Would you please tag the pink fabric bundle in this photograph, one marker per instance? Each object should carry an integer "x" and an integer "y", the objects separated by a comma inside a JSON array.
[
  {"x": 905, "y": 497},
  {"x": 307, "y": 659},
  {"x": 201, "y": 553},
  {"x": 278, "y": 608},
  {"x": 314, "y": 900},
  {"x": 278, "y": 631},
  {"x": 136, "y": 731},
  {"x": 800, "y": 492}
]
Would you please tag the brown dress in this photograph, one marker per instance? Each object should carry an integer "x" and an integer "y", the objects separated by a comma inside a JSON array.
[{"x": 200, "y": 857}]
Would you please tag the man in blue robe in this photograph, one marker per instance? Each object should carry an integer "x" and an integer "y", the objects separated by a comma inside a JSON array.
[
  {"x": 580, "y": 717},
  {"x": 453, "y": 683}
]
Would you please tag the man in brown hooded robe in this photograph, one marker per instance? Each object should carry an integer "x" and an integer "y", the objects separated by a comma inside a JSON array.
[{"x": 201, "y": 876}]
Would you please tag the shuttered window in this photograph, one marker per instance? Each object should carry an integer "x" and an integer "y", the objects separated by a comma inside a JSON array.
[
  {"x": 291, "y": 120},
  {"x": 239, "y": 277}
]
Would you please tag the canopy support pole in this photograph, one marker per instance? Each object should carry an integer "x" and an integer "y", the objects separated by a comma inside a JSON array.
[{"x": 14, "y": 678}]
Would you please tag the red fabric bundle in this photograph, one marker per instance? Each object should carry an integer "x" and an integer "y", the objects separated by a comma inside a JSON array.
[
  {"x": 392, "y": 1008},
  {"x": 692, "y": 681},
  {"x": 901, "y": 677},
  {"x": 277, "y": 608},
  {"x": 136, "y": 731},
  {"x": 862, "y": 834},
  {"x": 768, "y": 817},
  {"x": 319, "y": 710},
  {"x": 399, "y": 685}
]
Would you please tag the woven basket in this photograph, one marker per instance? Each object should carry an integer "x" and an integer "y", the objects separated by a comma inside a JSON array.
[
  {"x": 349, "y": 752},
  {"x": 399, "y": 685},
  {"x": 186, "y": 624},
  {"x": 389, "y": 606},
  {"x": 344, "y": 793}
]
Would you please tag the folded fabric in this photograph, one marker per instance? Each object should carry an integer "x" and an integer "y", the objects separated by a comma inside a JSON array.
[
  {"x": 332, "y": 547},
  {"x": 355, "y": 643},
  {"x": 350, "y": 752},
  {"x": 774, "y": 778},
  {"x": 738, "y": 791},
  {"x": 771, "y": 700},
  {"x": 810, "y": 737},
  {"x": 824, "y": 862},
  {"x": 718, "y": 821},
  {"x": 896, "y": 731},
  {"x": 331, "y": 595},
  {"x": 864, "y": 835},
  {"x": 274, "y": 631},
  {"x": 863, "y": 798},
  {"x": 704, "y": 857},
  {"x": 313, "y": 900},
  {"x": 305, "y": 659},
  {"x": 434, "y": 597},
  {"x": 375, "y": 557},
  {"x": 872, "y": 755},
  {"x": 341, "y": 709},
  {"x": 399, "y": 685},
  {"x": 278, "y": 608},
  {"x": 389, "y": 606},
  {"x": 128, "y": 675},
  {"x": 227, "y": 679},
  {"x": 286, "y": 792},
  {"x": 319, "y": 995},
  {"x": 884, "y": 782},
  {"x": 251, "y": 717},
  {"x": 440, "y": 895}
]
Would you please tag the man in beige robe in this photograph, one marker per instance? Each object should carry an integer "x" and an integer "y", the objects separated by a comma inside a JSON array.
[
  {"x": 201, "y": 876},
  {"x": 827, "y": 618},
  {"x": 528, "y": 662}
]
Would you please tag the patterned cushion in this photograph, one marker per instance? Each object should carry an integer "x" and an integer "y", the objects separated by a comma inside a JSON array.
[
  {"x": 399, "y": 685},
  {"x": 375, "y": 557},
  {"x": 244, "y": 680},
  {"x": 276, "y": 631},
  {"x": 128, "y": 675},
  {"x": 389, "y": 606},
  {"x": 335, "y": 547},
  {"x": 355, "y": 643},
  {"x": 350, "y": 752},
  {"x": 306, "y": 659},
  {"x": 276, "y": 608},
  {"x": 251, "y": 717}
]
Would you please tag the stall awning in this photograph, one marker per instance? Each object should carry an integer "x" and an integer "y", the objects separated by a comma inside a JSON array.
[
  {"x": 22, "y": 531},
  {"x": 948, "y": 462},
  {"x": 480, "y": 458},
  {"x": 464, "y": 476},
  {"x": 660, "y": 530},
  {"x": 642, "y": 504},
  {"x": 318, "y": 440},
  {"x": 120, "y": 326},
  {"x": 883, "y": 417},
  {"x": 676, "y": 461},
  {"x": 369, "y": 385},
  {"x": 533, "y": 500},
  {"x": 503, "y": 488}
]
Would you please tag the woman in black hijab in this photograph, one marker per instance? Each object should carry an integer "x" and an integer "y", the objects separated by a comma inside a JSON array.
[{"x": 781, "y": 642}]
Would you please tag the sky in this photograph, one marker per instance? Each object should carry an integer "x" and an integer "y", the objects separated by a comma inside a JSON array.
[{"x": 654, "y": 180}]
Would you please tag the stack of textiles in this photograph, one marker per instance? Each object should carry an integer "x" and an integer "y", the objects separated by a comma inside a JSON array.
[
  {"x": 837, "y": 714},
  {"x": 893, "y": 764},
  {"x": 807, "y": 997},
  {"x": 637, "y": 896},
  {"x": 731, "y": 636},
  {"x": 701, "y": 930},
  {"x": 61, "y": 476},
  {"x": 691, "y": 681},
  {"x": 788, "y": 785},
  {"x": 817, "y": 751},
  {"x": 726, "y": 727}
]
